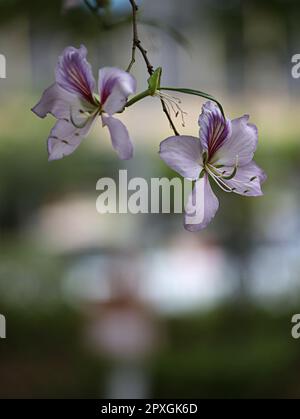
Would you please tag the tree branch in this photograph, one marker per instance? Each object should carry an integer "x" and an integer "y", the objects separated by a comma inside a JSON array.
[
  {"x": 136, "y": 44},
  {"x": 93, "y": 9}
]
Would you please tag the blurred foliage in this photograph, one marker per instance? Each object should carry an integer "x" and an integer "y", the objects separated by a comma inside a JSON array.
[
  {"x": 232, "y": 12},
  {"x": 45, "y": 357},
  {"x": 236, "y": 350},
  {"x": 227, "y": 352},
  {"x": 52, "y": 16},
  {"x": 86, "y": 19},
  {"x": 27, "y": 180}
]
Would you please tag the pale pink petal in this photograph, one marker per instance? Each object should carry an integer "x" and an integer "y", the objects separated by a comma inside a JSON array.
[
  {"x": 183, "y": 154},
  {"x": 55, "y": 101},
  {"x": 74, "y": 73},
  {"x": 201, "y": 207},
  {"x": 247, "y": 180},
  {"x": 120, "y": 139},
  {"x": 64, "y": 138},
  {"x": 214, "y": 129},
  {"x": 115, "y": 86},
  {"x": 241, "y": 145}
]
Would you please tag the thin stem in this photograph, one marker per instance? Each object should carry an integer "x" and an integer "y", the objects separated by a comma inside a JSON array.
[
  {"x": 136, "y": 44},
  {"x": 138, "y": 97}
]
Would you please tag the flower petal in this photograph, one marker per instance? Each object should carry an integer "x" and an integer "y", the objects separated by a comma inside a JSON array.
[
  {"x": 115, "y": 86},
  {"x": 64, "y": 138},
  {"x": 201, "y": 207},
  {"x": 214, "y": 129},
  {"x": 183, "y": 154},
  {"x": 74, "y": 73},
  {"x": 120, "y": 139},
  {"x": 247, "y": 180},
  {"x": 55, "y": 101},
  {"x": 240, "y": 146}
]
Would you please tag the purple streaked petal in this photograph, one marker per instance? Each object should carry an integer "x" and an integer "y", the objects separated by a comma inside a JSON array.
[
  {"x": 241, "y": 145},
  {"x": 201, "y": 207},
  {"x": 64, "y": 138},
  {"x": 74, "y": 73},
  {"x": 115, "y": 86},
  {"x": 183, "y": 154},
  {"x": 214, "y": 129},
  {"x": 247, "y": 181},
  {"x": 120, "y": 139},
  {"x": 55, "y": 101}
]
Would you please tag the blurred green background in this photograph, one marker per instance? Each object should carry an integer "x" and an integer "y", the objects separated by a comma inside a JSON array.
[{"x": 133, "y": 305}]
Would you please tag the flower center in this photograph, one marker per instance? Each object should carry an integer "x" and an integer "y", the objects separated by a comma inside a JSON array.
[{"x": 216, "y": 172}]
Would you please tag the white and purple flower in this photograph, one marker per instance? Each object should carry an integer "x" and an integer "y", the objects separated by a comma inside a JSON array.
[
  {"x": 72, "y": 101},
  {"x": 224, "y": 152}
]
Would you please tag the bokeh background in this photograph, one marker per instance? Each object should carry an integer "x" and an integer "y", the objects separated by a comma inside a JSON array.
[{"x": 133, "y": 305}]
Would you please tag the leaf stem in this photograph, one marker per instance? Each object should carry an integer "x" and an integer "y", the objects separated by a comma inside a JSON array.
[
  {"x": 196, "y": 93},
  {"x": 138, "y": 97}
]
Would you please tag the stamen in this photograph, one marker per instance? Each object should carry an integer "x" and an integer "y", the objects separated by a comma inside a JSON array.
[
  {"x": 221, "y": 174},
  {"x": 172, "y": 103},
  {"x": 88, "y": 115},
  {"x": 218, "y": 180},
  {"x": 231, "y": 176},
  {"x": 214, "y": 170}
]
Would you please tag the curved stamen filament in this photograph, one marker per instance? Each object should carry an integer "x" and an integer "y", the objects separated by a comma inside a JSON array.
[
  {"x": 86, "y": 113},
  {"x": 214, "y": 170},
  {"x": 219, "y": 181},
  {"x": 172, "y": 103},
  {"x": 220, "y": 174}
]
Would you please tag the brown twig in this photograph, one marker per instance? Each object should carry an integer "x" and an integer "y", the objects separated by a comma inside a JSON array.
[
  {"x": 93, "y": 9},
  {"x": 136, "y": 44}
]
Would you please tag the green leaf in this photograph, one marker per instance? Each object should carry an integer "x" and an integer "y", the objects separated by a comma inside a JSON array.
[{"x": 154, "y": 81}]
